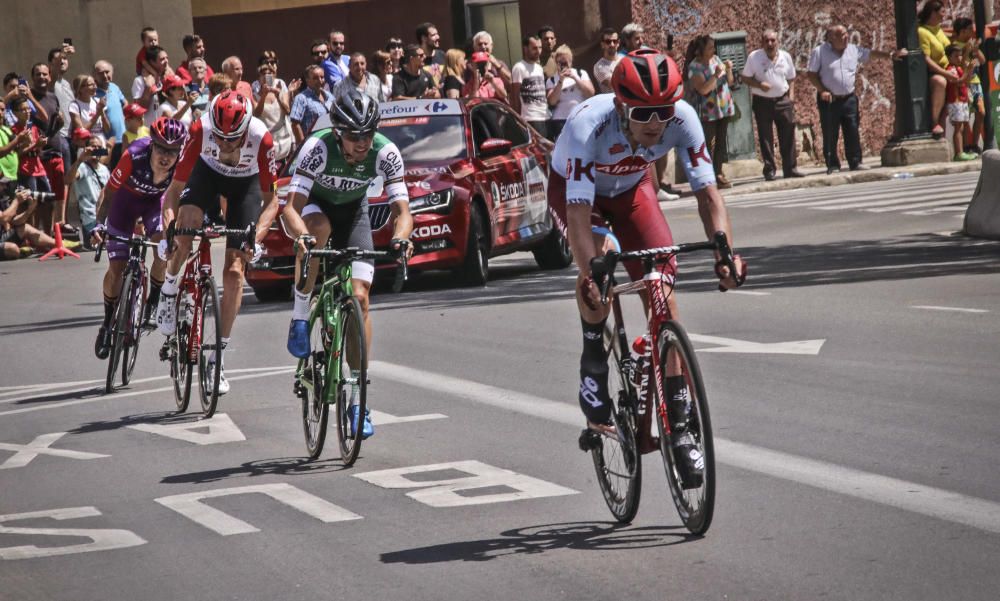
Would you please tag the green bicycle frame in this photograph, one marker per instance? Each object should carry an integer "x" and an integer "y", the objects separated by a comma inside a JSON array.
[{"x": 331, "y": 292}]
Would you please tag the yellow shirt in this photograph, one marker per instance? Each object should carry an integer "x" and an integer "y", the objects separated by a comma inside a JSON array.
[
  {"x": 132, "y": 137},
  {"x": 933, "y": 41}
]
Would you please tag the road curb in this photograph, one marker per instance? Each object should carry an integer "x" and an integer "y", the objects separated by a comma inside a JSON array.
[{"x": 854, "y": 177}]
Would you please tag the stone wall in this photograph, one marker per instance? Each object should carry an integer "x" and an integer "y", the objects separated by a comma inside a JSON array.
[{"x": 801, "y": 25}]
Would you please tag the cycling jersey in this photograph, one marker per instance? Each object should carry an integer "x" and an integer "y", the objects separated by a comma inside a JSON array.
[
  {"x": 323, "y": 174},
  {"x": 256, "y": 154},
  {"x": 596, "y": 159}
]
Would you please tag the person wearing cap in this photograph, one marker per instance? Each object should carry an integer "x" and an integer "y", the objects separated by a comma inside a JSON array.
[
  {"x": 87, "y": 177},
  {"x": 175, "y": 100},
  {"x": 481, "y": 79},
  {"x": 135, "y": 127}
]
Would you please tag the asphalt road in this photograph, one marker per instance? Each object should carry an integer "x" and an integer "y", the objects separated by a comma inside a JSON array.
[{"x": 854, "y": 392}]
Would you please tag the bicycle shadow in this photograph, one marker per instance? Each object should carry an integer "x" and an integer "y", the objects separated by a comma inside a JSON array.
[
  {"x": 284, "y": 466},
  {"x": 583, "y": 536},
  {"x": 157, "y": 417}
]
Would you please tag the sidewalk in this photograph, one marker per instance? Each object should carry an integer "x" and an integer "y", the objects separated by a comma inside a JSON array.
[{"x": 816, "y": 177}]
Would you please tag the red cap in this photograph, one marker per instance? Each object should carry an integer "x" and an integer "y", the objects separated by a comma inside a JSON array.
[
  {"x": 133, "y": 110},
  {"x": 172, "y": 81},
  {"x": 81, "y": 133},
  {"x": 480, "y": 57}
]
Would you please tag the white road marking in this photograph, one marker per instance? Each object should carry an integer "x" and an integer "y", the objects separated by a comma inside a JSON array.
[
  {"x": 190, "y": 506},
  {"x": 381, "y": 418},
  {"x": 958, "y": 309},
  {"x": 929, "y": 501},
  {"x": 130, "y": 393},
  {"x": 25, "y": 453},
  {"x": 749, "y": 292},
  {"x": 732, "y": 345},
  {"x": 221, "y": 430},
  {"x": 444, "y": 492},
  {"x": 101, "y": 539}
]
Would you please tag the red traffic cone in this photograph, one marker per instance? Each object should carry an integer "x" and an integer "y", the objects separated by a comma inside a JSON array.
[{"x": 58, "y": 249}]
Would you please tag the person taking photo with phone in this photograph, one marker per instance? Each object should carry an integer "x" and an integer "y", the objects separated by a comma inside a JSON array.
[
  {"x": 87, "y": 177},
  {"x": 566, "y": 89}
]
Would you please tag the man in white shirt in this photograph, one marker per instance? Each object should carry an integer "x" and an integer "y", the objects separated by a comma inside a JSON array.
[
  {"x": 527, "y": 95},
  {"x": 770, "y": 72},
  {"x": 604, "y": 67}
]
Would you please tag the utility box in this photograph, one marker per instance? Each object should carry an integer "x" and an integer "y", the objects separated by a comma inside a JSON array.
[{"x": 732, "y": 46}]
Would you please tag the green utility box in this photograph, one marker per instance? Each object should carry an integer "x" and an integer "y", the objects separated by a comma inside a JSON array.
[{"x": 732, "y": 46}]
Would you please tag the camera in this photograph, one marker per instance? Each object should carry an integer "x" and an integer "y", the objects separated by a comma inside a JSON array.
[
  {"x": 68, "y": 41},
  {"x": 99, "y": 152},
  {"x": 39, "y": 196},
  {"x": 482, "y": 69}
]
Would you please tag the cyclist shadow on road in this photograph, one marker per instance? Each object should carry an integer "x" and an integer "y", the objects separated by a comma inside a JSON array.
[
  {"x": 585, "y": 536},
  {"x": 282, "y": 466},
  {"x": 154, "y": 417}
]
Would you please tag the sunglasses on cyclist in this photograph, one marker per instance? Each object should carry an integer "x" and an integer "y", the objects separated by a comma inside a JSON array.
[
  {"x": 644, "y": 114},
  {"x": 169, "y": 152},
  {"x": 354, "y": 138}
]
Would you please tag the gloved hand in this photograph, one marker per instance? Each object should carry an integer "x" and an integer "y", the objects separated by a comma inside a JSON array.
[
  {"x": 258, "y": 252},
  {"x": 162, "y": 250}
]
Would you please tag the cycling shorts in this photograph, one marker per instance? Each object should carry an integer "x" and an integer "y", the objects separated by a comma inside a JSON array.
[
  {"x": 350, "y": 225},
  {"x": 243, "y": 197},
  {"x": 634, "y": 216},
  {"x": 125, "y": 211}
]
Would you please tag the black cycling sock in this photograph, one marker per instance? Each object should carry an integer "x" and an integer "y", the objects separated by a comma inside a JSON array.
[
  {"x": 109, "y": 309},
  {"x": 154, "y": 292},
  {"x": 594, "y": 374},
  {"x": 678, "y": 399}
]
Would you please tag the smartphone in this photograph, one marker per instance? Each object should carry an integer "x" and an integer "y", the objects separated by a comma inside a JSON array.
[
  {"x": 99, "y": 152},
  {"x": 269, "y": 80},
  {"x": 482, "y": 69},
  {"x": 68, "y": 41},
  {"x": 22, "y": 81},
  {"x": 193, "y": 87},
  {"x": 670, "y": 41}
]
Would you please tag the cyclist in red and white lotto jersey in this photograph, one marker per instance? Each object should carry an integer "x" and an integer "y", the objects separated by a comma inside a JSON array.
[
  {"x": 602, "y": 171},
  {"x": 229, "y": 152}
]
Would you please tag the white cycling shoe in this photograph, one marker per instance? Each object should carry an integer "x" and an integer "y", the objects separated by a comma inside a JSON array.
[{"x": 166, "y": 314}]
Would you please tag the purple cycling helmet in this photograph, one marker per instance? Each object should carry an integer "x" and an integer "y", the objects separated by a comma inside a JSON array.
[{"x": 168, "y": 133}]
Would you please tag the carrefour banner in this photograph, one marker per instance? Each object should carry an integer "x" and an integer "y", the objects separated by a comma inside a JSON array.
[{"x": 995, "y": 97}]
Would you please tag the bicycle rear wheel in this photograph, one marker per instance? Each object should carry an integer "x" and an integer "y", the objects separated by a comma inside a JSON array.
[
  {"x": 210, "y": 345},
  {"x": 119, "y": 325},
  {"x": 311, "y": 386},
  {"x": 616, "y": 459},
  {"x": 352, "y": 384},
  {"x": 130, "y": 351},
  {"x": 695, "y": 501},
  {"x": 180, "y": 365}
]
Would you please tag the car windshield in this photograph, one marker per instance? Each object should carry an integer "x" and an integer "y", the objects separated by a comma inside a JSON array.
[{"x": 426, "y": 138}]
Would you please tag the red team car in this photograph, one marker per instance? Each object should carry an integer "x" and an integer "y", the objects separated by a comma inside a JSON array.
[{"x": 476, "y": 174}]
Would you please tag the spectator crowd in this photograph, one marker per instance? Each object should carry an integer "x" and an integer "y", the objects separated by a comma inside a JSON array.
[{"x": 60, "y": 136}]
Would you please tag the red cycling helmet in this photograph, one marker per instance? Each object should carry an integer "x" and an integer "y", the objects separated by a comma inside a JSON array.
[
  {"x": 168, "y": 133},
  {"x": 230, "y": 115},
  {"x": 647, "y": 77}
]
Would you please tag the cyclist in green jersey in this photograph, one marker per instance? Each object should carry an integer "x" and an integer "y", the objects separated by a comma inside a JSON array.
[{"x": 327, "y": 197}]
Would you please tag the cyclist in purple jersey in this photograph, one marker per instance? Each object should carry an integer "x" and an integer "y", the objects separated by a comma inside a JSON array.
[{"x": 135, "y": 192}]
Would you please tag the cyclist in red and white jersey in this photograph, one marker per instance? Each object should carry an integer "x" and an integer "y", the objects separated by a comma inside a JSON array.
[
  {"x": 602, "y": 171},
  {"x": 229, "y": 152}
]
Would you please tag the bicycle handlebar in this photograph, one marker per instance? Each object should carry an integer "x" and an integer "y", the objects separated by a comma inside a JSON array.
[
  {"x": 602, "y": 267},
  {"x": 134, "y": 240},
  {"x": 248, "y": 235},
  {"x": 350, "y": 253}
]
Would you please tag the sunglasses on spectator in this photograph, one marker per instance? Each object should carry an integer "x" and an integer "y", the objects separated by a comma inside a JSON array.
[
  {"x": 644, "y": 114},
  {"x": 613, "y": 42},
  {"x": 320, "y": 52},
  {"x": 337, "y": 43},
  {"x": 394, "y": 46}
]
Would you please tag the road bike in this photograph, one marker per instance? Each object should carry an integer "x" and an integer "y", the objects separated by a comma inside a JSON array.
[
  {"x": 336, "y": 370},
  {"x": 198, "y": 335},
  {"x": 665, "y": 352},
  {"x": 127, "y": 321}
]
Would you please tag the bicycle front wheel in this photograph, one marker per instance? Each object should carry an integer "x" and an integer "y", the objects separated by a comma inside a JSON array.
[
  {"x": 616, "y": 458},
  {"x": 180, "y": 363},
  {"x": 693, "y": 496},
  {"x": 351, "y": 383},
  {"x": 210, "y": 347},
  {"x": 130, "y": 350},
  {"x": 311, "y": 385},
  {"x": 119, "y": 325}
]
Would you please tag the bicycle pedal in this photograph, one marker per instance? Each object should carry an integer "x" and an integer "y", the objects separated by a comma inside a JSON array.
[{"x": 589, "y": 440}]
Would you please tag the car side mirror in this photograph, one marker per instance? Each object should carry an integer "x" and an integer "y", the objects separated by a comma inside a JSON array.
[{"x": 494, "y": 147}]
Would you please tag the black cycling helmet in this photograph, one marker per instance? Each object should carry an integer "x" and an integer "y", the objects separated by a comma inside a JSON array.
[{"x": 354, "y": 112}]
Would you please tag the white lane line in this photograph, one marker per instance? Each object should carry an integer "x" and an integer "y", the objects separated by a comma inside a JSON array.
[
  {"x": 918, "y": 498},
  {"x": 130, "y": 393},
  {"x": 53, "y": 389},
  {"x": 957, "y": 309},
  {"x": 749, "y": 292}
]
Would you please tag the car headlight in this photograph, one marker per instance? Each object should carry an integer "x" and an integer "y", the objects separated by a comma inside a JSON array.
[{"x": 435, "y": 201}]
